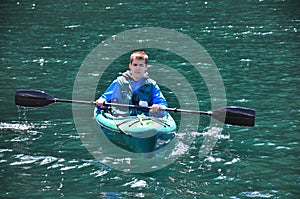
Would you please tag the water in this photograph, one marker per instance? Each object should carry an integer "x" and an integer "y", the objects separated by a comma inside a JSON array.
[{"x": 255, "y": 45}]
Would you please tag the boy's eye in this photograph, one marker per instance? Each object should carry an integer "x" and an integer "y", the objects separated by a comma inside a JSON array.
[{"x": 141, "y": 65}]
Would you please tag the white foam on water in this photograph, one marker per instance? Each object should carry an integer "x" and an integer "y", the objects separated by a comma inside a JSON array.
[{"x": 21, "y": 127}]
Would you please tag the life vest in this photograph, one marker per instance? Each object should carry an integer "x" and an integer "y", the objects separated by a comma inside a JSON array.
[{"x": 140, "y": 96}]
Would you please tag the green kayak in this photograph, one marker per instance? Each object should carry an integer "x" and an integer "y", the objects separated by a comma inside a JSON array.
[{"x": 138, "y": 134}]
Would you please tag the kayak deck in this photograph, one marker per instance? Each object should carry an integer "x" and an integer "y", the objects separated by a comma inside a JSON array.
[{"x": 138, "y": 134}]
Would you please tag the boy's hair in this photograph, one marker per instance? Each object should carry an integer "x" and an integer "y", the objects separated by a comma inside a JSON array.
[{"x": 139, "y": 55}]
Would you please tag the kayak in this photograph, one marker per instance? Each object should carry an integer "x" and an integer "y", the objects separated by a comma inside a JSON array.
[{"x": 137, "y": 134}]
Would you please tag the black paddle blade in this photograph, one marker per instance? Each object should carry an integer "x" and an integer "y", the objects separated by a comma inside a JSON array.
[
  {"x": 235, "y": 116},
  {"x": 32, "y": 98}
]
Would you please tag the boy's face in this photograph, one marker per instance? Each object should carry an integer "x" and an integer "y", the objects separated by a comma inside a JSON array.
[{"x": 138, "y": 68}]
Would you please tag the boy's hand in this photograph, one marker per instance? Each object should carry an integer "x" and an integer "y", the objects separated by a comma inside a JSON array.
[
  {"x": 100, "y": 103},
  {"x": 155, "y": 108}
]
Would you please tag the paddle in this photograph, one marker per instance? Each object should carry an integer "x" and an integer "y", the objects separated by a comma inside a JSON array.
[{"x": 229, "y": 115}]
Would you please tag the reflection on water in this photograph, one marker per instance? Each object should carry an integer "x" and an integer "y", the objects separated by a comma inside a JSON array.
[{"x": 20, "y": 127}]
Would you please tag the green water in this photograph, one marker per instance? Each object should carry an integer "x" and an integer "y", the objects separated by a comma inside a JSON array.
[{"x": 255, "y": 45}]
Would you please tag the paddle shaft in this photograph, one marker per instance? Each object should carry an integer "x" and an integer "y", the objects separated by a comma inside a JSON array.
[
  {"x": 163, "y": 109},
  {"x": 75, "y": 101}
]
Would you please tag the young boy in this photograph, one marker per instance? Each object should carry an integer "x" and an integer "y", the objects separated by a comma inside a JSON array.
[{"x": 136, "y": 88}]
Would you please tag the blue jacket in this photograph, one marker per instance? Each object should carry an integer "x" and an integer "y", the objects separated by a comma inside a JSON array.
[{"x": 144, "y": 92}]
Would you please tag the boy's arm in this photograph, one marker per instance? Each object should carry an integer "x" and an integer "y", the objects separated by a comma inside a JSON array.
[
  {"x": 107, "y": 95},
  {"x": 160, "y": 100}
]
